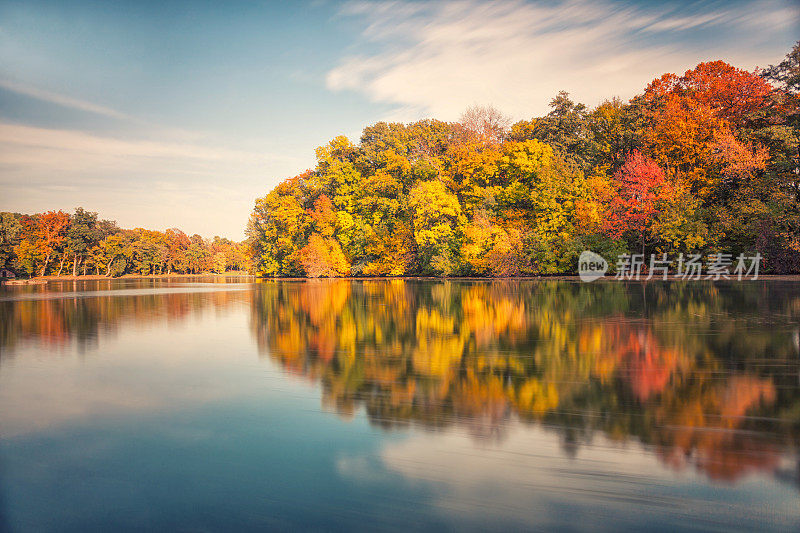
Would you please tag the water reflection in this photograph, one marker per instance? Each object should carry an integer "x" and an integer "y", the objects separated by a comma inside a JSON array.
[
  {"x": 705, "y": 375},
  {"x": 76, "y": 314},
  {"x": 546, "y": 405},
  {"x": 96, "y": 351}
]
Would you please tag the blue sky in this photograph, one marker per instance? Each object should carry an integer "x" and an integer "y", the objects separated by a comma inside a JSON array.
[{"x": 165, "y": 114}]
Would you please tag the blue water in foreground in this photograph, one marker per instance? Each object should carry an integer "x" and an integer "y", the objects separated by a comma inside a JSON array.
[{"x": 219, "y": 405}]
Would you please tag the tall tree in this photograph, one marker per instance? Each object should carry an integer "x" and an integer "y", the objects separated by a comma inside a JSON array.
[
  {"x": 81, "y": 235},
  {"x": 322, "y": 257},
  {"x": 565, "y": 128},
  {"x": 436, "y": 216},
  {"x": 787, "y": 72},
  {"x": 485, "y": 124},
  {"x": 45, "y": 233},
  {"x": 10, "y": 231}
]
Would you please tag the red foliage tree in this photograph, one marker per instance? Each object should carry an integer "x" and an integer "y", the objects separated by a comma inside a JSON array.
[
  {"x": 731, "y": 93},
  {"x": 734, "y": 94},
  {"x": 641, "y": 185}
]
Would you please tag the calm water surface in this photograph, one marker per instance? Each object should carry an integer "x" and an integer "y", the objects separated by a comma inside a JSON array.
[{"x": 204, "y": 405}]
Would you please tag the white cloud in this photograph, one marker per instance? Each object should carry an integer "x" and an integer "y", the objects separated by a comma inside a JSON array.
[{"x": 437, "y": 59}]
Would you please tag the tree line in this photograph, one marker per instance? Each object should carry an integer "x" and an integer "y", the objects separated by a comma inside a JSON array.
[
  {"x": 706, "y": 162},
  {"x": 59, "y": 243}
]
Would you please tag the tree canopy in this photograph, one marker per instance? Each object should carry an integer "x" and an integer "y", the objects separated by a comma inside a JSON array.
[
  {"x": 706, "y": 162},
  {"x": 58, "y": 243}
]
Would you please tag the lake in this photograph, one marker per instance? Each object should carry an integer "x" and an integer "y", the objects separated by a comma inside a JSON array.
[{"x": 214, "y": 404}]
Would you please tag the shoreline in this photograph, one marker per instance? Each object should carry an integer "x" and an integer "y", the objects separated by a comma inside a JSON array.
[
  {"x": 553, "y": 277},
  {"x": 40, "y": 280}
]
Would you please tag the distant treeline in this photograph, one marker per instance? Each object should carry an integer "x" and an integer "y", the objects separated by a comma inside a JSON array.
[
  {"x": 701, "y": 163},
  {"x": 58, "y": 243}
]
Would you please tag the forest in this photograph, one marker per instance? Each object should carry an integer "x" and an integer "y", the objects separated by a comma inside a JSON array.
[
  {"x": 58, "y": 243},
  {"x": 705, "y": 162}
]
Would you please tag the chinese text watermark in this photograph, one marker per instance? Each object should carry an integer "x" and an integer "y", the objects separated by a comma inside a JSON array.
[{"x": 720, "y": 266}]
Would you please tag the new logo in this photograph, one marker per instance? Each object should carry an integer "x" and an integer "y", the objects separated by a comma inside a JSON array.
[{"x": 591, "y": 266}]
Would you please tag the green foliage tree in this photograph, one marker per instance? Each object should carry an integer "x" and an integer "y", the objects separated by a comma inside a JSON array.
[
  {"x": 566, "y": 128},
  {"x": 10, "y": 231},
  {"x": 83, "y": 233}
]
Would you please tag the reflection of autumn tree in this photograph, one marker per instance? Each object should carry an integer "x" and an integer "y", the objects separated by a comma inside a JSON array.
[
  {"x": 62, "y": 321},
  {"x": 675, "y": 366},
  {"x": 644, "y": 364},
  {"x": 705, "y": 423}
]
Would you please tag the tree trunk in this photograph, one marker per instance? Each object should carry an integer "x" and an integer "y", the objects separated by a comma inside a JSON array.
[
  {"x": 75, "y": 265},
  {"x": 61, "y": 267},
  {"x": 46, "y": 262}
]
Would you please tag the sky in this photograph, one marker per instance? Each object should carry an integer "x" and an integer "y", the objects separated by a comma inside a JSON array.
[{"x": 180, "y": 114}]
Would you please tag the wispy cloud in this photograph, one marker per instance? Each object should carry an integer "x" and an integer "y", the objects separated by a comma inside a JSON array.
[
  {"x": 126, "y": 120},
  {"x": 144, "y": 175},
  {"x": 60, "y": 99},
  {"x": 438, "y": 58},
  {"x": 24, "y": 146}
]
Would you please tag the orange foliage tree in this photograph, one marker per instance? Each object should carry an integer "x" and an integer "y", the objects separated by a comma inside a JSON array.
[
  {"x": 45, "y": 233},
  {"x": 323, "y": 257}
]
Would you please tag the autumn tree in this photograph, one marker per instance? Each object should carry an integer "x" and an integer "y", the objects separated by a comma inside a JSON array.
[
  {"x": 671, "y": 168},
  {"x": 81, "y": 235},
  {"x": 491, "y": 249},
  {"x": 114, "y": 253},
  {"x": 322, "y": 257},
  {"x": 44, "y": 237},
  {"x": 485, "y": 123},
  {"x": 641, "y": 186},
  {"x": 277, "y": 228},
  {"x": 436, "y": 217},
  {"x": 566, "y": 128},
  {"x": 177, "y": 243},
  {"x": 616, "y": 131},
  {"x": 10, "y": 231},
  {"x": 735, "y": 95},
  {"x": 787, "y": 72}
]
